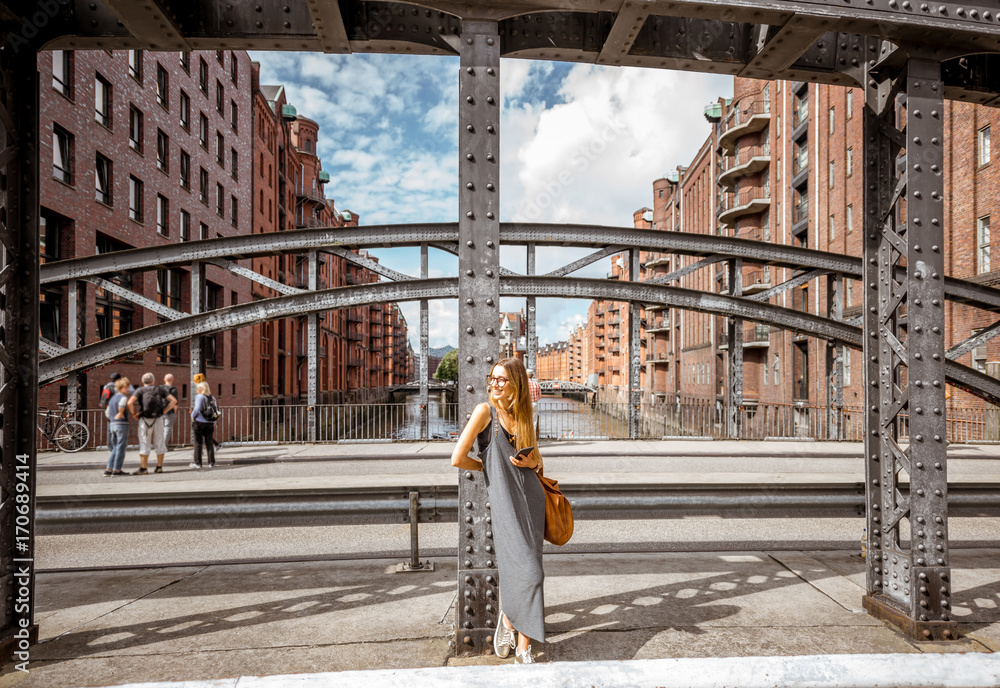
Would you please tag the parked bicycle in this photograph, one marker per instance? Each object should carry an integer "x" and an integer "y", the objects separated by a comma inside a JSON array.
[{"x": 62, "y": 429}]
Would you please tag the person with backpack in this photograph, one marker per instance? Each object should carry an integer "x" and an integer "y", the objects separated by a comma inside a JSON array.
[
  {"x": 204, "y": 414},
  {"x": 153, "y": 401}
]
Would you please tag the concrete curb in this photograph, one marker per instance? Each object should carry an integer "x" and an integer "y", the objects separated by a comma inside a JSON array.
[{"x": 970, "y": 670}]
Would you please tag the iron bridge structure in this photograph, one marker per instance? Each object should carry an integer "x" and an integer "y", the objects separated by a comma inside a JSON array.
[
  {"x": 907, "y": 56},
  {"x": 559, "y": 386}
]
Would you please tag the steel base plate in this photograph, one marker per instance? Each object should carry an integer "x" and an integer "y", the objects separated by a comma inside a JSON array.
[
  {"x": 404, "y": 567},
  {"x": 883, "y": 610}
]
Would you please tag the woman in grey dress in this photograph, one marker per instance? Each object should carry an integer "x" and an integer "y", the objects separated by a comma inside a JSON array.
[{"x": 499, "y": 429}]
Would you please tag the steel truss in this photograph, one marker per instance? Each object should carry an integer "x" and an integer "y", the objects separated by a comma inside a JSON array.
[
  {"x": 909, "y": 576},
  {"x": 821, "y": 41},
  {"x": 195, "y": 326},
  {"x": 19, "y": 198}
]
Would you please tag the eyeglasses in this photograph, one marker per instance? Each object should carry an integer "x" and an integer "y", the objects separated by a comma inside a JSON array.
[{"x": 498, "y": 381}]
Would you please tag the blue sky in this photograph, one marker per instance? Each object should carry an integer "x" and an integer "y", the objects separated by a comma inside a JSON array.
[{"x": 389, "y": 139}]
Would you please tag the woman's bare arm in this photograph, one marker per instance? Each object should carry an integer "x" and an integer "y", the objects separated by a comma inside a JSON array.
[{"x": 460, "y": 457}]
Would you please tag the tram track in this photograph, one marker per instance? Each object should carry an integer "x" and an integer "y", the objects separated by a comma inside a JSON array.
[{"x": 442, "y": 554}]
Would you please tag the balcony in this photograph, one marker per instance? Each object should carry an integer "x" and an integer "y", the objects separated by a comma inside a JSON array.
[
  {"x": 800, "y": 216},
  {"x": 356, "y": 362},
  {"x": 748, "y": 160},
  {"x": 756, "y": 281},
  {"x": 658, "y": 325},
  {"x": 743, "y": 120},
  {"x": 656, "y": 260},
  {"x": 745, "y": 202},
  {"x": 756, "y": 336},
  {"x": 660, "y": 358}
]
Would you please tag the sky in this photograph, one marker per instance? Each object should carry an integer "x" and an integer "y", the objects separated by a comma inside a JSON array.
[{"x": 578, "y": 143}]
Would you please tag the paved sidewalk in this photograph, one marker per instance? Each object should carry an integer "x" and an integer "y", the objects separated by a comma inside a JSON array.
[
  {"x": 273, "y": 453},
  {"x": 200, "y": 623}
]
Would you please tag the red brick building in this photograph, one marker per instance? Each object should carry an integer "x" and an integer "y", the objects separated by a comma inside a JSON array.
[
  {"x": 149, "y": 149},
  {"x": 783, "y": 165},
  {"x": 146, "y": 149},
  {"x": 362, "y": 349}
]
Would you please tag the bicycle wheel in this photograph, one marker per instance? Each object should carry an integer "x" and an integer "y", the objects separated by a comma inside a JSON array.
[{"x": 71, "y": 436}]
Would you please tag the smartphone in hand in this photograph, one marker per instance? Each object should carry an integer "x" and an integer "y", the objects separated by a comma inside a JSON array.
[{"x": 526, "y": 452}]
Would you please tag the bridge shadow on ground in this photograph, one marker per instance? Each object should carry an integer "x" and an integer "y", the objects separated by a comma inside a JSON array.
[{"x": 599, "y": 607}]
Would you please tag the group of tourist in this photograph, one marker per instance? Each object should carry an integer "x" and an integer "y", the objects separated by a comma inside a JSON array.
[{"x": 153, "y": 406}]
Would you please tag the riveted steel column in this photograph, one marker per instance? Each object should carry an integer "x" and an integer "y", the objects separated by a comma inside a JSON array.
[
  {"x": 197, "y": 306},
  {"x": 835, "y": 360},
  {"x": 634, "y": 353},
  {"x": 19, "y": 297},
  {"x": 424, "y": 350},
  {"x": 734, "y": 381},
  {"x": 532, "y": 335},
  {"x": 72, "y": 323},
  {"x": 312, "y": 353},
  {"x": 909, "y": 587},
  {"x": 479, "y": 313}
]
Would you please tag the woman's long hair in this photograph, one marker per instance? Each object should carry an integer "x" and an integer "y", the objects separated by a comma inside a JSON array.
[{"x": 520, "y": 405}]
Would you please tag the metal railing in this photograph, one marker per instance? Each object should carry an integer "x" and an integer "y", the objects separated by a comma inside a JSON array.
[
  {"x": 739, "y": 115},
  {"x": 745, "y": 154},
  {"x": 558, "y": 419}
]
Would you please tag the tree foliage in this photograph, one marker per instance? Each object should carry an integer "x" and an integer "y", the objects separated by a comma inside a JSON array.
[{"x": 448, "y": 367}]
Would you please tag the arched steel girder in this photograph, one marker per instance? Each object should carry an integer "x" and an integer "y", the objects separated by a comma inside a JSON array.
[
  {"x": 385, "y": 236},
  {"x": 827, "y": 41},
  {"x": 241, "y": 315}
]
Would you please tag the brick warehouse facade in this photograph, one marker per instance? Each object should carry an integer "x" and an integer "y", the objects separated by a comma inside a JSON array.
[
  {"x": 164, "y": 156},
  {"x": 147, "y": 149},
  {"x": 362, "y": 349},
  {"x": 783, "y": 165}
]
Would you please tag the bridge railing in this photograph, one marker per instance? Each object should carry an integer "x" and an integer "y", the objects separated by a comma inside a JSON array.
[{"x": 558, "y": 420}]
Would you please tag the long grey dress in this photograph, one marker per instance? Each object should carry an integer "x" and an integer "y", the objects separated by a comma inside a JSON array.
[{"x": 517, "y": 507}]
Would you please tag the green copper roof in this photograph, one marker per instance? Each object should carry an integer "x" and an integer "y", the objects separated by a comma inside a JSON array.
[
  {"x": 324, "y": 176},
  {"x": 288, "y": 112}
]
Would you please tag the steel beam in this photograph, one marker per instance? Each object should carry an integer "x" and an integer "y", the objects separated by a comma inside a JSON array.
[
  {"x": 424, "y": 352},
  {"x": 197, "y": 357},
  {"x": 628, "y": 22},
  {"x": 734, "y": 357},
  {"x": 49, "y": 349},
  {"x": 583, "y": 262},
  {"x": 634, "y": 359},
  {"x": 237, "y": 269},
  {"x": 220, "y": 320},
  {"x": 312, "y": 352},
  {"x": 154, "y": 26},
  {"x": 779, "y": 47},
  {"x": 532, "y": 317},
  {"x": 796, "y": 281},
  {"x": 367, "y": 263},
  {"x": 718, "y": 247},
  {"x": 72, "y": 323},
  {"x": 478, "y": 314},
  {"x": 328, "y": 22},
  {"x": 978, "y": 339},
  {"x": 692, "y": 267},
  {"x": 129, "y": 295},
  {"x": 19, "y": 298},
  {"x": 909, "y": 578},
  {"x": 835, "y": 361}
]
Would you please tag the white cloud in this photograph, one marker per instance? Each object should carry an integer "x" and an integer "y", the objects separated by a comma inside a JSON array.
[
  {"x": 593, "y": 157},
  {"x": 585, "y": 149}
]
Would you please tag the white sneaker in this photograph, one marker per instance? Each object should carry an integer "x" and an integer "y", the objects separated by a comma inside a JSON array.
[
  {"x": 523, "y": 657},
  {"x": 503, "y": 639},
  {"x": 194, "y": 465}
]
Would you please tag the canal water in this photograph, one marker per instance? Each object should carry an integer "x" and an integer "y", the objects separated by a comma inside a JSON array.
[{"x": 558, "y": 419}]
